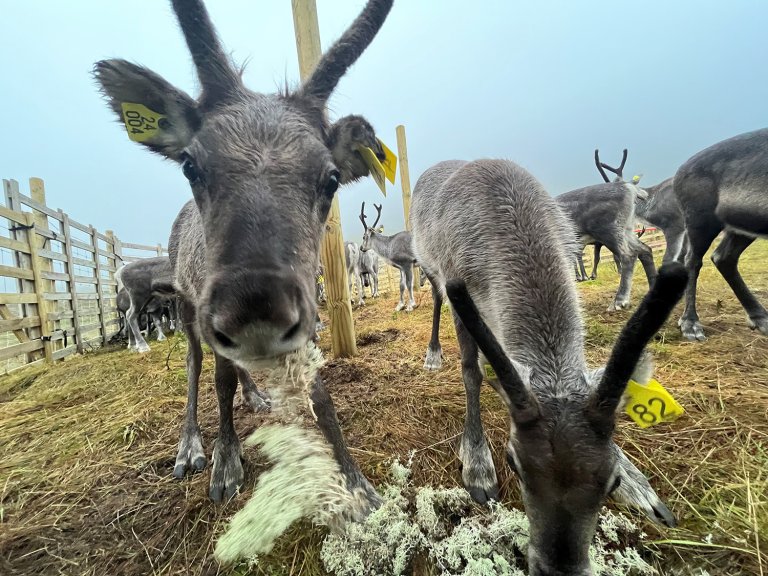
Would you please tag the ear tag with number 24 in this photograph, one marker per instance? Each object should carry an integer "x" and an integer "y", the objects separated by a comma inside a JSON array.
[
  {"x": 650, "y": 404},
  {"x": 141, "y": 123}
]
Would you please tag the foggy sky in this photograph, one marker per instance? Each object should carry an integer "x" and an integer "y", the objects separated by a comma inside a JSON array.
[{"x": 541, "y": 83}]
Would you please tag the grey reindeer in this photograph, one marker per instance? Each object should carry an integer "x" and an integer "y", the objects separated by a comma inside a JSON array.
[
  {"x": 724, "y": 187},
  {"x": 352, "y": 258},
  {"x": 396, "y": 250},
  {"x": 244, "y": 264},
  {"x": 154, "y": 311},
  {"x": 147, "y": 283},
  {"x": 562, "y": 413},
  {"x": 661, "y": 209},
  {"x": 369, "y": 272},
  {"x": 605, "y": 214}
]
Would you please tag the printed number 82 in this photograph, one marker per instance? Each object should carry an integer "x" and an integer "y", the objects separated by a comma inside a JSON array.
[{"x": 647, "y": 415}]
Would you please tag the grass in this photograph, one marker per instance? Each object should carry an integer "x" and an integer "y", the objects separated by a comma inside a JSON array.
[{"x": 87, "y": 446}]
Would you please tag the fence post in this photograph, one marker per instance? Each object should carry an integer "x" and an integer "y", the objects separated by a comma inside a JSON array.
[
  {"x": 112, "y": 247},
  {"x": 405, "y": 183},
  {"x": 76, "y": 319},
  {"x": 37, "y": 193},
  {"x": 20, "y": 260},
  {"x": 99, "y": 287},
  {"x": 42, "y": 305},
  {"x": 332, "y": 249}
]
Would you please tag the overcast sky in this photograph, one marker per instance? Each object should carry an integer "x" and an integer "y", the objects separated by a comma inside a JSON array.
[{"x": 541, "y": 83}]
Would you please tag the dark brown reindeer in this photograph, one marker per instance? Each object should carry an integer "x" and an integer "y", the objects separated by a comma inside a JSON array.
[
  {"x": 562, "y": 413},
  {"x": 263, "y": 169}
]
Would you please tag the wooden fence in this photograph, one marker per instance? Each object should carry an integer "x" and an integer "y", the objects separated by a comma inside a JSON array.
[{"x": 57, "y": 286}]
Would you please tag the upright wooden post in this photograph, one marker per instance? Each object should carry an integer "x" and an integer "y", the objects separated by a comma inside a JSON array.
[
  {"x": 42, "y": 304},
  {"x": 332, "y": 249},
  {"x": 112, "y": 247},
  {"x": 37, "y": 193},
  {"x": 76, "y": 317},
  {"x": 99, "y": 286},
  {"x": 405, "y": 183}
]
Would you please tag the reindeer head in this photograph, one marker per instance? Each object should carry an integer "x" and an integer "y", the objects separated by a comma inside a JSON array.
[
  {"x": 632, "y": 185},
  {"x": 561, "y": 447},
  {"x": 263, "y": 169},
  {"x": 369, "y": 231}
]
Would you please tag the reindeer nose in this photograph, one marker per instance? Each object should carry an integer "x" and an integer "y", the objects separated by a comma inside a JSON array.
[{"x": 258, "y": 314}]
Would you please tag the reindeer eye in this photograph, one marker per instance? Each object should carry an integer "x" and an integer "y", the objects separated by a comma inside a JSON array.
[
  {"x": 332, "y": 184},
  {"x": 190, "y": 170}
]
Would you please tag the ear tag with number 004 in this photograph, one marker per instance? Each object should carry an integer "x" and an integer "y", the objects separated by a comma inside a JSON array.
[
  {"x": 141, "y": 123},
  {"x": 650, "y": 404}
]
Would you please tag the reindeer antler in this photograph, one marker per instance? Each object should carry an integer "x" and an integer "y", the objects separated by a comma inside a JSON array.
[
  {"x": 618, "y": 171},
  {"x": 378, "y": 216},
  {"x": 600, "y": 166},
  {"x": 362, "y": 216}
]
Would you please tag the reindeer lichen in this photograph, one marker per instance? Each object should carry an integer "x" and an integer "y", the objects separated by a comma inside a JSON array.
[{"x": 459, "y": 538}]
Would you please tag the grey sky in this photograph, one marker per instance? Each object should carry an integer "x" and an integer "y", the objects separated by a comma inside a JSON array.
[{"x": 541, "y": 83}]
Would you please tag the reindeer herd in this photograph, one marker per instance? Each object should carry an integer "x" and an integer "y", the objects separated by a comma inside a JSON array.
[{"x": 486, "y": 234}]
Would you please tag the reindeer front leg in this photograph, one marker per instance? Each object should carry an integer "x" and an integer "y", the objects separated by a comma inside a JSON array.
[{"x": 227, "y": 474}]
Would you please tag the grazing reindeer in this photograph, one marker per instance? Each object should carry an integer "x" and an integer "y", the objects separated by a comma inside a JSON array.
[
  {"x": 396, "y": 250},
  {"x": 605, "y": 213},
  {"x": 724, "y": 187},
  {"x": 150, "y": 317},
  {"x": 662, "y": 210},
  {"x": 352, "y": 254},
  {"x": 263, "y": 169},
  {"x": 562, "y": 413},
  {"x": 145, "y": 281},
  {"x": 369, "y": 272}
]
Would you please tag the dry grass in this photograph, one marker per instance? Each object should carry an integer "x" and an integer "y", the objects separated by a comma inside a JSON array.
[{"x": 87, "y": 447}]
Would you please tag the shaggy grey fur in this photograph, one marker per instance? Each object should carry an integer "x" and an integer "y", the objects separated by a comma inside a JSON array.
[
  {"x": 369, "y": 271},
  {"x": 263, "y": 170},
  {"x": 724, "y": 187},
  {"x": 519, "y": 276}
]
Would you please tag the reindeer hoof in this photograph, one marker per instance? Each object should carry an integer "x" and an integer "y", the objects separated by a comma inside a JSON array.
[
  {"x": 257, "y": 401},
  {"x": 434, "y": 359},
  {"x": 760, "y": 324},
  {"x": 366, "y": 498},
  {"x": 399, "y": 307},
  {"x": 227, "y": 474},
  {"x": 190, "y": 457},
  {"x": 691, "y": 329},
  {"x": 478, "y": 473},
  {"x": 143, "y": 348}
]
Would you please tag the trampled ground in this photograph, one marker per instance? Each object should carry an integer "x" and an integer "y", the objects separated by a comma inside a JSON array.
[{"x": 87, "y": 447}]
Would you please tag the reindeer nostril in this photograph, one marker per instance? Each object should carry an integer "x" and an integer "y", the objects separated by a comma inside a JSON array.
[
  {"x": 292, "y": 332},
  {"x": 223, "y": 339}
]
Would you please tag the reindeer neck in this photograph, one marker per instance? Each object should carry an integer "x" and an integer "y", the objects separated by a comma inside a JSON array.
[{"x": 382, "y": 244}]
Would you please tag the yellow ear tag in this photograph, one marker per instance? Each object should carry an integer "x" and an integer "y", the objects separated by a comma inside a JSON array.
[
  {"x": 490, "y": 374},
  {"x": 320, "y": 279},
  {"x": 377, "y": 170},
  {"x": 141, "y": 123},
  {"x": 636, "y": 178},
  {"x": 390, "y": 162},
  {"x": 650, "y": 404}
]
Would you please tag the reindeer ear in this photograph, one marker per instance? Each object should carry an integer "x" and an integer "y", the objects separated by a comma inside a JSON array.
[
  {"x": 155, "y": 113},
  {"x": 346, "y": 137}
]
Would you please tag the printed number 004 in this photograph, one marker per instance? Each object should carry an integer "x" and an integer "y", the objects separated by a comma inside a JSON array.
[{"x": 137, "y": 120}]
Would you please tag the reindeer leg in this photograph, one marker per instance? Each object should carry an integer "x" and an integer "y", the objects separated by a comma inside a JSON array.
[
  {"x": 190, "y": 456},
  {"x": 157, "y": 318},
  {"x": 645, "y": 254},
  {"x": 623, "y": 250},
  {"x": 401, "y": 304},
  {"x": 375, "y": 277},
  {"x": 675, "y": 241},
  {"x": 360, "y": 294},
  {"x": 256, "y": 400},
  {"x": 478, "y": 472},
  {"x": 726, "y": 258},
  {"x": 699, "y": 240},
  {"x": 434, "y": 360},
  {"x": 595, "y": 262},
  {"x": 409, "y": 283},
  {"x": 133, "y": 323},
  {"x": 322, "y": 406},
  {"x": 227, "y": 474}
]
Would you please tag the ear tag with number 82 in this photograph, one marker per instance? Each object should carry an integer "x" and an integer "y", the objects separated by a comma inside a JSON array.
[
  {"x": 650, "y": 404},
  {"x": 141, "y": 123}
]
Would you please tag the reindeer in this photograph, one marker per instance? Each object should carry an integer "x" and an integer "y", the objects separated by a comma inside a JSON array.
[
  {"x": 724, "y": 187},
  {"x": 352, "y": 256},
  {"x": 562, "y": 413},
  {"x": 369, "y": 272},
  {"x": 660, "y": 209},
  {"x": 396, "y": 250},
  {"x": 151, "y": 317},
  {"x": 605, "y": 213},
  {"x": 263, "y": 170},
  {"x": 148, "y": 282}
]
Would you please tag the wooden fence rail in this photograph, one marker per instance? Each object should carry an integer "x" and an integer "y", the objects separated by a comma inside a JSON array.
[{"x": 57, "y": 280}]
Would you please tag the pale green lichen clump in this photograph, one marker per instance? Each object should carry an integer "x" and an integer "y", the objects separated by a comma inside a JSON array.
[{"x": 456, "y": 537}]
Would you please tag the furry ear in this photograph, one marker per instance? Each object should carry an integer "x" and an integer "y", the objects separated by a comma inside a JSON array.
[
  {"x": 346, "y": 137},
  {"x": 175, "y": 119}
]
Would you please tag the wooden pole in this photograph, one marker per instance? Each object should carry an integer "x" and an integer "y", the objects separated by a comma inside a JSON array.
[
  {"x": 405, "y": 183},
  {"x": 332, "y": 248},
  {"x": 42, "y": 305},
  {"x": 42, "y": 286}
]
